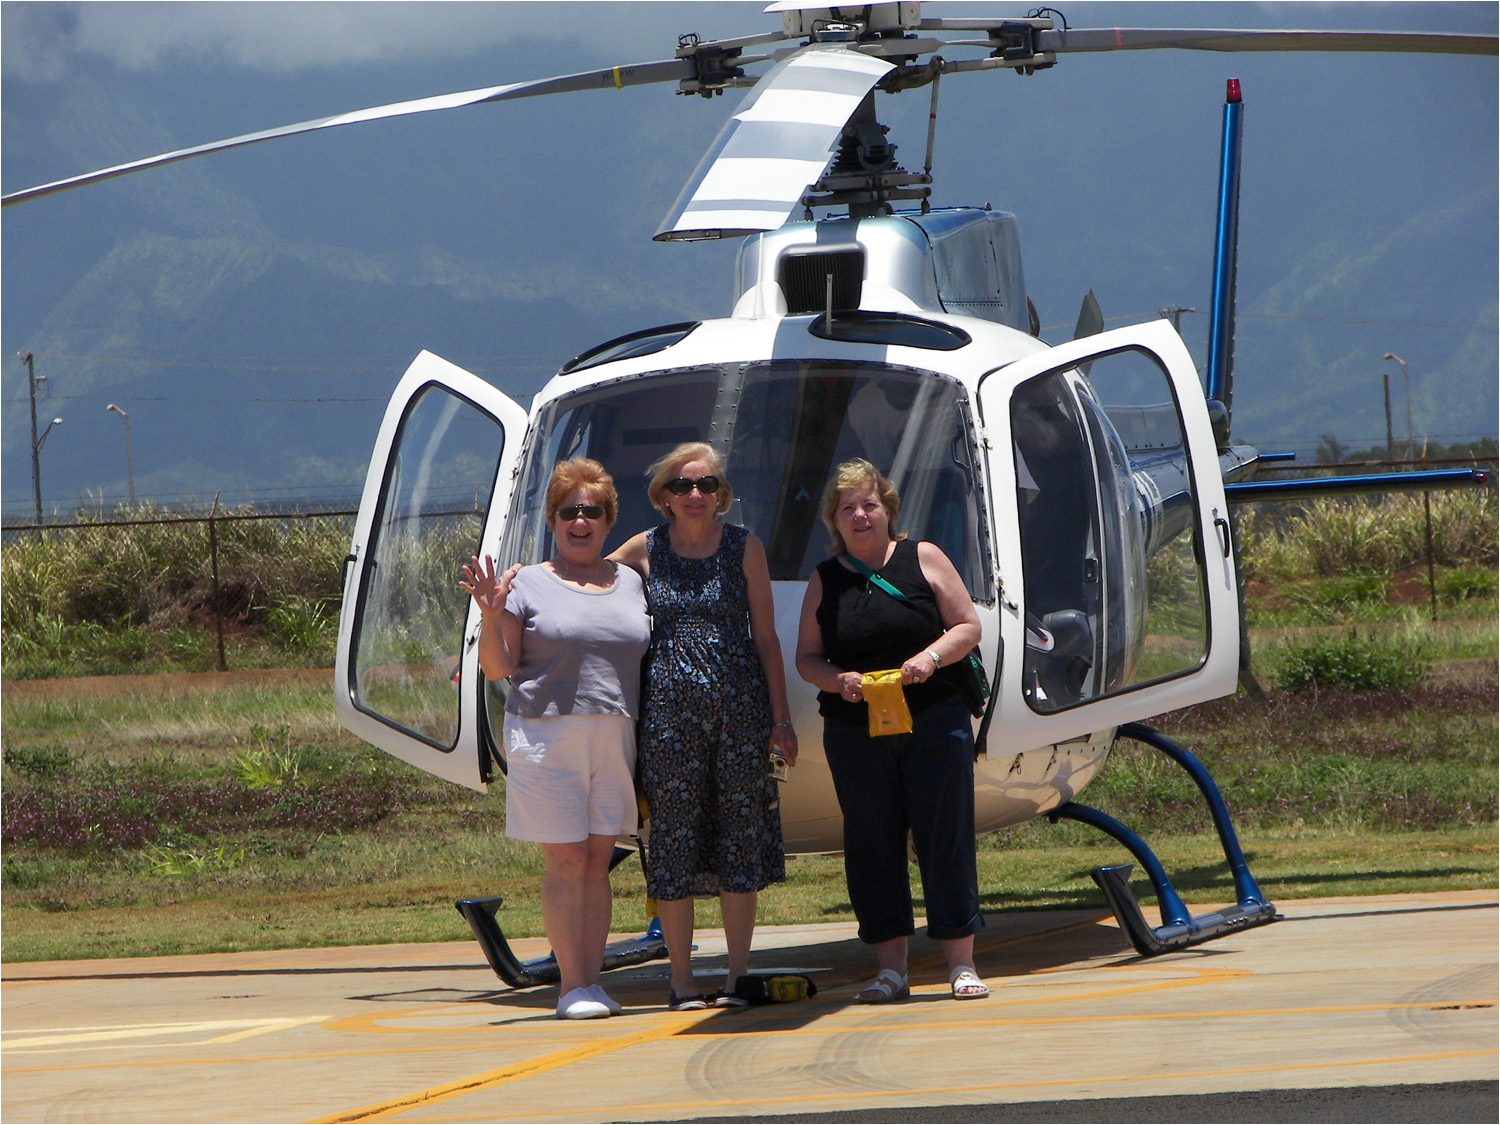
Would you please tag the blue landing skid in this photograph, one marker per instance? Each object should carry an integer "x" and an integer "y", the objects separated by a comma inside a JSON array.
[
  {"x": 480, "y": 914},
  {"x": 1179, "y": 928}
]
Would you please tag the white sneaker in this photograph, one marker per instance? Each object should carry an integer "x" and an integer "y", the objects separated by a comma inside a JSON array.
[
  {"x": 598, "y": 993},
  {"x": 580, "y": 1004}
]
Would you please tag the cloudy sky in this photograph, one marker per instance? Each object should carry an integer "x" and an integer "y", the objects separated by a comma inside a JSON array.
[
  {"x": 1109, "y": 161},
  {"x": 45, "y": 41}
]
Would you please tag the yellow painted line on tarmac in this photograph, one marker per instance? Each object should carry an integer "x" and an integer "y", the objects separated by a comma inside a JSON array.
[
  {"x": 369, "y": 1022},
  {"x": 746, "y": 1029},
  {"x": 559, "y": 1059},
  {"x": 506, "y": 1074},
  {"x": 1045, "y": 1021},
  {"x": 657, "y": 1109}
]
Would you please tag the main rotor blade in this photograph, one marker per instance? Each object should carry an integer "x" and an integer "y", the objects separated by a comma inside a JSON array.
[
  {"x": 616, "y": 77},
  {"x": 777, "y": 143},
  {"x": 1188, "y": 39}
]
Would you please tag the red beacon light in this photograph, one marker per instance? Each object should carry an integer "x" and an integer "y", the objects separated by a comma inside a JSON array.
[{"x": 1232, "y": 91}]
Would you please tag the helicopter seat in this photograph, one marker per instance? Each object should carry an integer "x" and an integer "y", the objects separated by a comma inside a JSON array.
[{"x": 1059, "y": 658}]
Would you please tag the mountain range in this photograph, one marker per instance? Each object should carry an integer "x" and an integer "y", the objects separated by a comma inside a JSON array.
[{"x": 251, "y": 311}]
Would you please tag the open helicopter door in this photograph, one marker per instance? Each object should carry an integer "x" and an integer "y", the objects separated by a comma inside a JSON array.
[
  {"x": 1119, "y": 595},
  {"x": 407, "y": 678}
]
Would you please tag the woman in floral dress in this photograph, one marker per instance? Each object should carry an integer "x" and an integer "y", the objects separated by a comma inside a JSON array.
[{"x": 713, "y": 712}]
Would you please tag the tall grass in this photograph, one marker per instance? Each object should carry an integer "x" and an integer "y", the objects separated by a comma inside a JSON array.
[
  {"x": 1341, "y": 538},
  {"x": 108, "y": 600},
  {"x": 111, "y": 599}
]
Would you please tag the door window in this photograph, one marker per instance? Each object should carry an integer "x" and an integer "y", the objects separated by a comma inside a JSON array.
[
  {"x": 1113, "y": 568},
  {"x": 409, "y": 635}
]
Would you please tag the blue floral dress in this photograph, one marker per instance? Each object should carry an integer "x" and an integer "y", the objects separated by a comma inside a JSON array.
[{"x": 702, "y": 751}]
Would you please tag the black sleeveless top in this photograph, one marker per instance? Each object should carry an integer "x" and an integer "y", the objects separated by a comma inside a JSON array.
[{"x": 865, "y": 629}]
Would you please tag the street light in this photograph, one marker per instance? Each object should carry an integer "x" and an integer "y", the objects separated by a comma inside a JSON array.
[
  {"x": 1406, "y": 374},
  {"x": 41, "y": 441},
  {"x": 129, "y": 460}
]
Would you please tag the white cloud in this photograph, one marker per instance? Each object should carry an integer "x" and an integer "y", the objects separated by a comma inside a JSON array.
[{"x": 44, "y": 41}]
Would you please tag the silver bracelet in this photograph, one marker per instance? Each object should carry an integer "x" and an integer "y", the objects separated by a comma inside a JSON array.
[{"x": 781, "y": 723}]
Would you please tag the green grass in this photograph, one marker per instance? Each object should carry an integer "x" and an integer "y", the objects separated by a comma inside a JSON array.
[
  {"x": 1334, "y": 792},
  {"x": 1035, "y": 867},
  {"x": 289, "y": 832}
]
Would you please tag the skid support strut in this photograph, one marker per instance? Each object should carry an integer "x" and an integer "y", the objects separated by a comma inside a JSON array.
[
  {"x": 480, "y": 914},
  {"x": 1179, "y": 928}
]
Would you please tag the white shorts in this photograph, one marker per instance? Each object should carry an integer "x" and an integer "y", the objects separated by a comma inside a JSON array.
[{"x": 568, "y": 777}]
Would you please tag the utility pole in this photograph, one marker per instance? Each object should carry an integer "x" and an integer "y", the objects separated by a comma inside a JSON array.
[
  {"x": 1405, "y": 374},
  {"x": 1390, "y": 439},
  {"x": 36, "y": 442},
  {"x": 36, "y": 460},
  {"x": 1175, "y": 313}
]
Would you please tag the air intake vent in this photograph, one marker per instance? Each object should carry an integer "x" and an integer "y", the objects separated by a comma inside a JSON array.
[{"x": 804, "y": 280}]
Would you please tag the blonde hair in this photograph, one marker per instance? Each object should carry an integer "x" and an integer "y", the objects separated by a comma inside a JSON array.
[
  {"x": 589, "y": 475},
  {"x": 859, "y": 473},
  {"x": 670, "y": 468}
]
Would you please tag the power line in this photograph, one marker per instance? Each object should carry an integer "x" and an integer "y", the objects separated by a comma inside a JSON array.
[
  {"x": 1491, "y": 327},
  {"x": 380, "y": 364}
]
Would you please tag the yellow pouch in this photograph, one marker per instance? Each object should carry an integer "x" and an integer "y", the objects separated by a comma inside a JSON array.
[{"x": 889, "y": 713}]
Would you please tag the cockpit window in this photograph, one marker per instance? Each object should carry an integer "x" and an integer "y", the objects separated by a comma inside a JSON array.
[
  {"x": 784, "y": 426},
  {"x": 647, "y": 342},
  {"x": 889, "y": 329}
]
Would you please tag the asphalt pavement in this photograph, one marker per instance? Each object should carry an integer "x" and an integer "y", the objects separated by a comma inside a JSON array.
[{"x": 1348, "y": 1009}]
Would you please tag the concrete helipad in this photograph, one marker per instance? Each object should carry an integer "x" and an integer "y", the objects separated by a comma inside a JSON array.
[{"x": 1342, "y": 992}]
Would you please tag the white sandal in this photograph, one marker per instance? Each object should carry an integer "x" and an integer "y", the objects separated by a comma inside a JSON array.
[
  {"x": 888, "y": 987},
  {"x": 966, "y": 985}
]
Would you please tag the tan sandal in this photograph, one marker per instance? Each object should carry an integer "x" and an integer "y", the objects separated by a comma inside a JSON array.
[
  {"x": 888, "y": 987},
  {"x": 966, "y": 985}
]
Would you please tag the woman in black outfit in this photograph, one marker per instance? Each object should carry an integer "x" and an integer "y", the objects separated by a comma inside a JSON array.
[{"x": 921, "y": 782}]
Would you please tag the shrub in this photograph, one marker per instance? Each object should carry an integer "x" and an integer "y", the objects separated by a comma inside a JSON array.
[
  {"x": 31, "y": 761},
  {"x": 299, "y": 624},
  {"x": 1463, "y": 583},
  {"x": 1350, "y": 590},
  {"x": 1360, "y": 663}
]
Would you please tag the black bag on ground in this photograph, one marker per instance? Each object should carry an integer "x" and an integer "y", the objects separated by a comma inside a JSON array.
[{"x": 774, "y": 988}]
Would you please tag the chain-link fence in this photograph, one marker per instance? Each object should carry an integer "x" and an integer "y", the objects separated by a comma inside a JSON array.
[{"x": 153, "y": 590}]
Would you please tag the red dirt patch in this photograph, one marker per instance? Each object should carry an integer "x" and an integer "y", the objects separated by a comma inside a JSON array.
[
  {"x": 1409, "y": 585},
  {"x": 167, "y": 683}
]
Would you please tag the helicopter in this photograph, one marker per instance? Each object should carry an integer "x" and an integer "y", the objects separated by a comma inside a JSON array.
[{"x": 1083, "y": 490}]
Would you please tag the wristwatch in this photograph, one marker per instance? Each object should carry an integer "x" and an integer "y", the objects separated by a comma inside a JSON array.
[{"x": 937, "y": 661}]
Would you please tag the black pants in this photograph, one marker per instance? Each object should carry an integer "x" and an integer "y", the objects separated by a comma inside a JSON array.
[{"x": 922, "y": 783}]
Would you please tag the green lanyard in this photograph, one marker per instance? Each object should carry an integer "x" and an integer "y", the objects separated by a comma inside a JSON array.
[{"x": 876, "y": 579}]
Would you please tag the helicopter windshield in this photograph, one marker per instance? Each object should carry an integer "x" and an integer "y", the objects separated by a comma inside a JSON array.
[{"x": 783, "y": 426}]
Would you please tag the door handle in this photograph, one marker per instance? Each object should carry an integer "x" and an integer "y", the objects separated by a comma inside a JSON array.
[{"x": 1221, "y": 525}]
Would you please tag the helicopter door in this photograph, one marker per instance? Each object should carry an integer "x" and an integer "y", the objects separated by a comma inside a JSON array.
[
  {"x": 1112, "y": 536},
  {"x": 407, "y": 677}
]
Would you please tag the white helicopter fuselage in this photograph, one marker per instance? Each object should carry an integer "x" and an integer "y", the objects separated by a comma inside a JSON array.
[{"x": 844, "y": 341}]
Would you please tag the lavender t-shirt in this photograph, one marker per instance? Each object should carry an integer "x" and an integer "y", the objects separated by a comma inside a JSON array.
[{"x": 581, "y": 650}]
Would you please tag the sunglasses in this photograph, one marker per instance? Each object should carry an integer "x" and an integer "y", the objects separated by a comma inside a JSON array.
[
  {"x": 681, "y": 486},
  {"x": 587, "y": 511}
]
